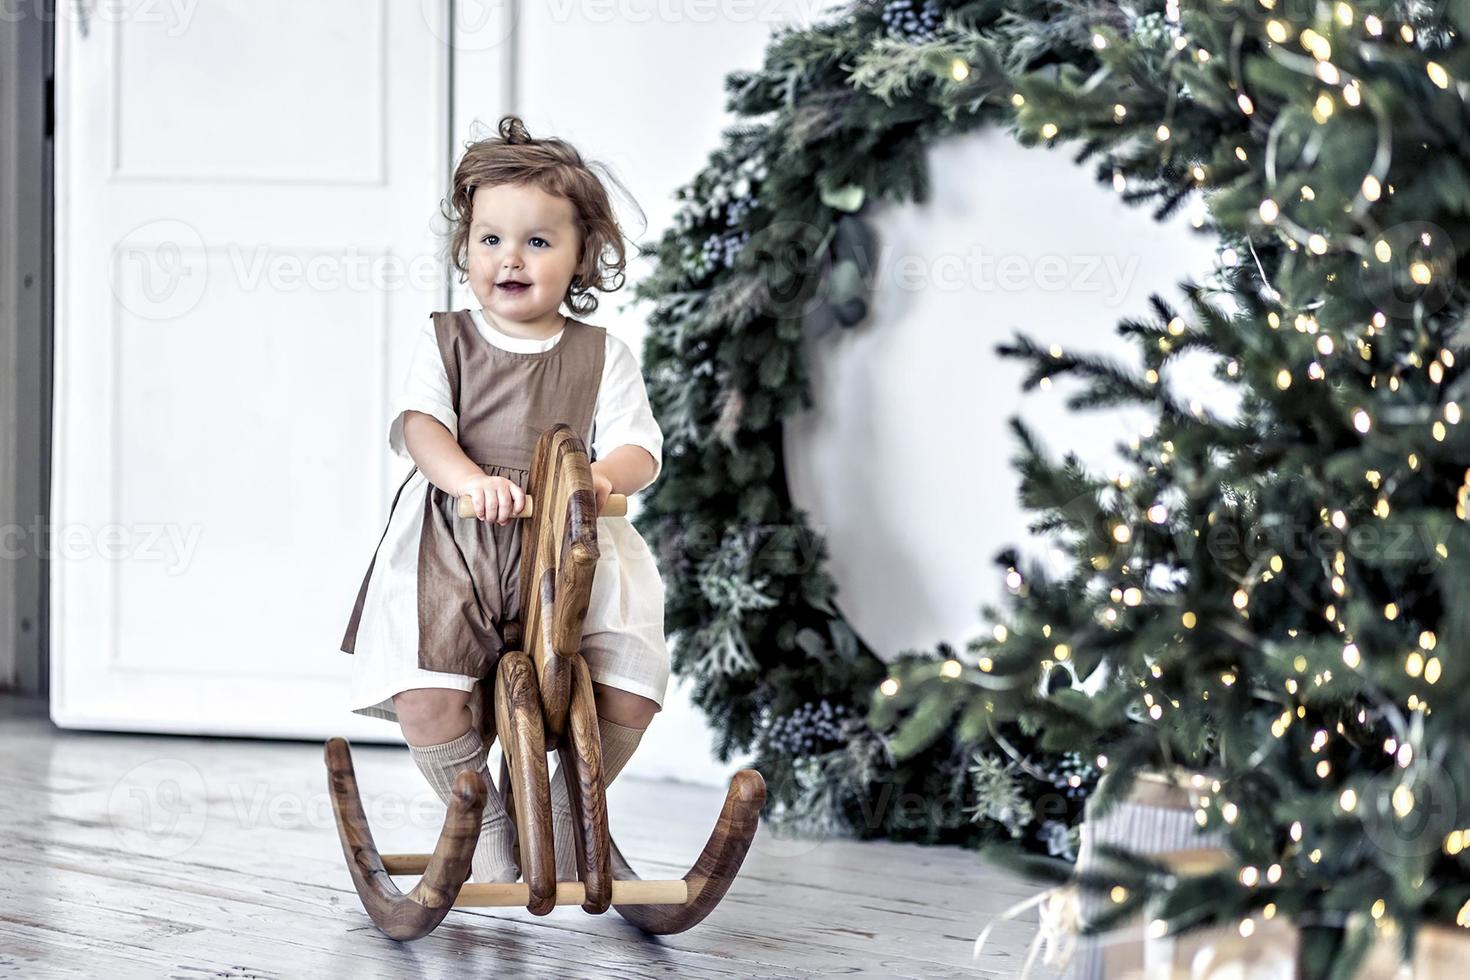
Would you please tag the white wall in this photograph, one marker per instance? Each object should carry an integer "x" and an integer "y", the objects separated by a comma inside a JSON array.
[{"x": 904, "y": 464}]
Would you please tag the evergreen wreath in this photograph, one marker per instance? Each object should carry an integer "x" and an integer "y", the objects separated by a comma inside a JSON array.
[{"x": 770, "y": 245}]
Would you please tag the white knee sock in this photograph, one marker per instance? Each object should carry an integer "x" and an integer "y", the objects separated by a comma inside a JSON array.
[
  {"x": 618, "y": 743},
  {"x": 494, "y": 858}
]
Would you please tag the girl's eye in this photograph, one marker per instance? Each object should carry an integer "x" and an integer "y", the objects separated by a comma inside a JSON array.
[{"x": 537, "y": 238}]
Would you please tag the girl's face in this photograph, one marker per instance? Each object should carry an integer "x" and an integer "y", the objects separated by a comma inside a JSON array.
[{"x": 519, "y": 234}]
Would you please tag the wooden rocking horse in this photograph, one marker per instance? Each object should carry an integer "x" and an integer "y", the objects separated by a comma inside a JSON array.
[{"x": 541, "y": 700}]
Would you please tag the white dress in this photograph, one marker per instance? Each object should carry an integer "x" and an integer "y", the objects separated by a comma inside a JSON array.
[{"x": 622, "y": 634}]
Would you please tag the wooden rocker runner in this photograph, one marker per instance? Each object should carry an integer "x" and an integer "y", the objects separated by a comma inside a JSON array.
[{"x": 541, "y": 701}]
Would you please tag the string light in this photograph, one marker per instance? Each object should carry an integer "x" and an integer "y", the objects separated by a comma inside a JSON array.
[
  {"x": 1316, "y": 44},
  {"x": 1403, "y": 801}
]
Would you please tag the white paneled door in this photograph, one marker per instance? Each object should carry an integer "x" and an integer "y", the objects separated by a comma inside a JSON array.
[{"x": 245, "y": 248}]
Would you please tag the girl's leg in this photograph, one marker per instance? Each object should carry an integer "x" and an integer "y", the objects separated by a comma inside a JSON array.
[
  {"x": 622, "y": 718},
  {"x": 436, "y": 722},
  {"x": 429, "y": 715},
  {"x": 623, "y": 707}
]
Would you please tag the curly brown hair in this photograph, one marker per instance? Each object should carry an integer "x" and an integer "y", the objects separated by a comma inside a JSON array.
[{"x": 556, "y": 167}]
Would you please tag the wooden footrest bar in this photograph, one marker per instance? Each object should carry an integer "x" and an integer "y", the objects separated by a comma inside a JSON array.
[
  {"x": 671, "y": 891},
  {"x": 667, "y": 892}
]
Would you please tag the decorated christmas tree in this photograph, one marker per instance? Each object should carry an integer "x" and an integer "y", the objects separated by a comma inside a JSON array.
[
  {"x": 1265, "y": 596},
  {"x": 1272, "y": 593}
]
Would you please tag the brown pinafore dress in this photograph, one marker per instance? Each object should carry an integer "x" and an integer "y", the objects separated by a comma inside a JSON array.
[{"x": 468, "y": 569}]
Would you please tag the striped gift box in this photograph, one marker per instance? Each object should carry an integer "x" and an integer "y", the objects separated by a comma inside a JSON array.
[{"x": 1155, "y": 819}]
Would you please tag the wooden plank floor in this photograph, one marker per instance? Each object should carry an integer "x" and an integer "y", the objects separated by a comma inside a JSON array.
[{"x": 130, "y": 855}]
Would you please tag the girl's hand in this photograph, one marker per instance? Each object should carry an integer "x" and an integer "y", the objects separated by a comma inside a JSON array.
[
  {"x": 496, "y": 498},
  {"x": 601, "y": 486}
]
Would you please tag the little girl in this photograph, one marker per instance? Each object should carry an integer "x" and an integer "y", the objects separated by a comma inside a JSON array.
[{"x": 532, "y": 229}]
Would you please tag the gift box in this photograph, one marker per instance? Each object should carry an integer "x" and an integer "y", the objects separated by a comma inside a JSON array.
[
  {"x": 1156, "y": 819},
  {"x": 1268, "y": 949}
]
